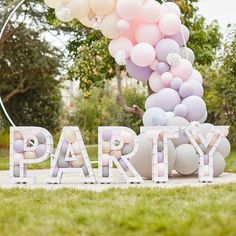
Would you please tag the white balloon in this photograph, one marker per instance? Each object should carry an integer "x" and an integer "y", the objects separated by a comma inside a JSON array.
[
  {"x": 188, "y": 54},
  {"x": 187, "y": 159},
  {"x": 180, "y": 122},
  {"x": 218, "y": 164},
  {"x": 63, "y": 14},
  {"x": 224, "y": 147},
  {"x": 142, "y": 161}
]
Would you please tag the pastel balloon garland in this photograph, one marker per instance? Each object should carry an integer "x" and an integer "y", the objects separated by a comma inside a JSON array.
[{"x": 150, "y": 40}]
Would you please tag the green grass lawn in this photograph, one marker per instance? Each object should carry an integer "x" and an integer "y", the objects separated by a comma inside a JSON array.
[{"x": 185, "y": 211}]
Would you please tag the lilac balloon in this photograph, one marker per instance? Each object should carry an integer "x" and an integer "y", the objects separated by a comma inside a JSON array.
[
  {"x": 19, "y": 146},
  {"x": 154, "y": 117},
  {"x": 150, "y": 102},
  {"x": 40, "y": 150},
  {"x": 41, "y": 138},
  {"x": 178, "y": 37},
  {"x": 137, "y": 72},
  {"x": 162, "y": 67},
  {"x": 181, "y": 110},
  {"x": 204, "y": 118},
  {"x": 197, "y": 87},
  {"x": 191, "y": 87},
  {"x": 186, "y": 90},
  {"x": 123, "y": 165},
  {"x": 176, "y": 83},
  {"x": 160, "y": 157},
  {"x": 196, "y": 108},
  {"x": 167, "y": 99},
  {"x": 165, "y": 47},
  {"x": 64, "y": 147},
  {"x": 106, "y": 135}
]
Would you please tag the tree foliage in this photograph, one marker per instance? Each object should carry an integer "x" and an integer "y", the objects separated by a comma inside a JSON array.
[
  {"x": 221, "y": 96},
  {"x": 28, "y": 68}
]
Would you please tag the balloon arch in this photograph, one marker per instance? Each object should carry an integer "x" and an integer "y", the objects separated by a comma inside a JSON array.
[{"x": 149, "y": 38}]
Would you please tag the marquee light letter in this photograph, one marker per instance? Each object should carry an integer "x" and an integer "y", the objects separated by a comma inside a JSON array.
[
  {"x": 206, "y": 147},
  {"x": 71, "y": 157},
  {"x": 28, "y": 145},
  {"x": 117, "y": 145},
  {"x": 159, "y": 137}
]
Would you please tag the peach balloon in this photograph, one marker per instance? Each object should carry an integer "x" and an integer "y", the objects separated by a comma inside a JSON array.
[
  {"x": 127, "y": 137},
  {"x": 152, "y": 12},
  {"x": 148, "y": 33},
  {"x": 101, "y": 8},
  {"x": 79, "y": 8},
  {"x": 130, "y": 9},
  {"x": 17, "y": 157},
  {"x": 88, "y": 20},
  {"x": 155, "y": 82},
  {"x": 120, "y": 44},
  {"x": 170, "y": 24},
  {"x": 143, "y": 54},
  {"x": 51, "y": 3},
  {"x": 109, "y": 26}
]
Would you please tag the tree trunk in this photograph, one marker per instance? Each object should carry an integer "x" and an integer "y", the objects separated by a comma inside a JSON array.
[{"x": 135, "y": 110}]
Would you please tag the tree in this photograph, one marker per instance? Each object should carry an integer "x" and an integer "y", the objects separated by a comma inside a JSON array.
[
  {"x": 221, "y": 96},
  {"x": 93, "y": 65},
  {"x": 28, "y": 68}
]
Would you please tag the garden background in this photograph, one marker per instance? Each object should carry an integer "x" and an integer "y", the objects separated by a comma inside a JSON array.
[{"x": 63, "y": 74}]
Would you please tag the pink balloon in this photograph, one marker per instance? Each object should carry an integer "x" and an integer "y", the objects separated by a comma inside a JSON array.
[
  {"x": 143, "y": 54},
  {"x": 171, "y": 7},
  {"x": 166, "y": 78},
  {"x": 197, "y": 88},
  {"x": 129, "y": 10},
  {"x": 170, "y": 24},
  {"x": 152, "y": 12},
  {"x": 168, "y": 99},
  {"x": 148, "y": 33},
  {"x": 155, "y": 82},
  {"x": 153, "y": 66},
  {"x": 120, "y": 44},
  {"x": 196, "y": 108},
  {"x": 130, "y": 34},
  {"x": 123, "y": 26},
  {"x": 184, "y": 69}
]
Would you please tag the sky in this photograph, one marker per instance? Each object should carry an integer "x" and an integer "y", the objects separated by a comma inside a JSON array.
[{"x": 224, "y": 11}]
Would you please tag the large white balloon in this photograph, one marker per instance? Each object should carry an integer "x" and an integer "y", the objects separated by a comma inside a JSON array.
[
  {"x": 180, "y": 122},
  {"x": 218, "y": 164},
  {"x": 187, "y": 159},
  {"x": 142, "y": 161},
  {"x": 224, "y": 148}
]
